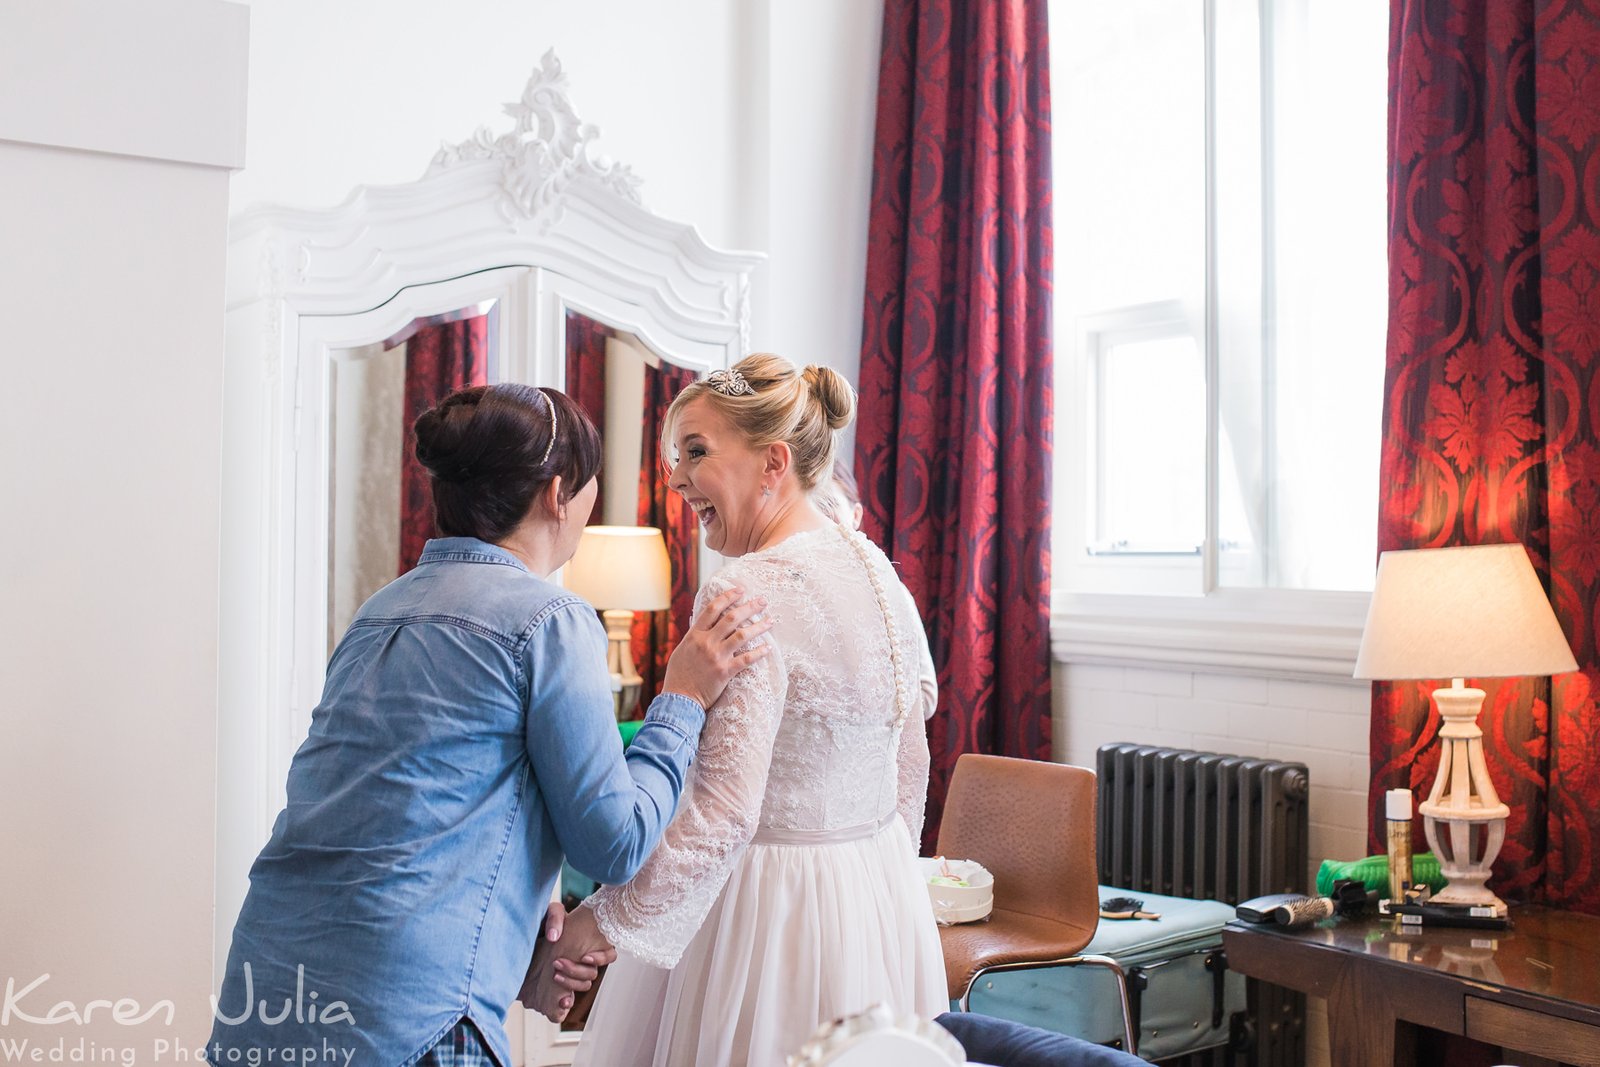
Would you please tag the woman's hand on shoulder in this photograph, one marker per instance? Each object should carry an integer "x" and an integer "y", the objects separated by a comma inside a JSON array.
[{"x": 709, "y": 655}]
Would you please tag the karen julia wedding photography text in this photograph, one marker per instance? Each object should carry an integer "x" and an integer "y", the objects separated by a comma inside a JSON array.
[{"x": 36, "y": 1029}]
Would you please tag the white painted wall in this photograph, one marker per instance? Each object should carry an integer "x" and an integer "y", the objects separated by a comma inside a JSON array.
[
  {"x": 751, "y": 119},
  {"x": 111, "y": 272},
  {"x": 162, "y": 79},
  {"x": 365, "y": 91},
  {"x": 823, "y": 62}
]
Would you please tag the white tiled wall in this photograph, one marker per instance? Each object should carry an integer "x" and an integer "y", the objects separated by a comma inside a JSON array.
[{"x": 1320, "y": 724}]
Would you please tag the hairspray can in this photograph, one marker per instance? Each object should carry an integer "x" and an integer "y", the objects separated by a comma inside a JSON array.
[{"x": 1397, "y": 812}]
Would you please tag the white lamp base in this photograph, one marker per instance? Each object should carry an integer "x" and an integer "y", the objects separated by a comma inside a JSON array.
[
  {"x": 619, "y": 661},
  {"x": 1463, "y": 818}
]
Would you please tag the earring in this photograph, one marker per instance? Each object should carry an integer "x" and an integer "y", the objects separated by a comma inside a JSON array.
[{"x": 766, "y": 490}]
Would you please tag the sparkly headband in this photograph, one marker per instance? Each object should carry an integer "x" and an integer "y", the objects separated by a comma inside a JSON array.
[
  {"x": 552, "y": 444},
  {"x": 729, "y": 383}
]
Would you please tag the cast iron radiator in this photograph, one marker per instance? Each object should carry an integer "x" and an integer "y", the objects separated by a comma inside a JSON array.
[{"x": 1200, "y": 824}]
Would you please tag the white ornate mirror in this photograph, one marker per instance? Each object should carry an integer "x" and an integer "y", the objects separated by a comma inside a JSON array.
[{"x": 522, "y": 256}]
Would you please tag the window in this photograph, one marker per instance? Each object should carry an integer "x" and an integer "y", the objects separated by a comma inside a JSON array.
[{"x": 1220, "y": 292}]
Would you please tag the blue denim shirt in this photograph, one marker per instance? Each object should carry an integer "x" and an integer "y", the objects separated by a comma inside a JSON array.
[{"x": 464, "y": 742}]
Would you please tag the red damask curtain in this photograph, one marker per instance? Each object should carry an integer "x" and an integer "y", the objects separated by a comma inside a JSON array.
[
  {"x": 440, "y": 359},
  {"x": 953, "y": 445},
  {"x": 1491, "y": 415},
  {"x": 586, "y": 384},
  {"x": 657, "y": 633}
]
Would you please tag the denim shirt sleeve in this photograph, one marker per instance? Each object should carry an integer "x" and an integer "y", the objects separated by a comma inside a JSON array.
[{"x": 608, "y": 811}]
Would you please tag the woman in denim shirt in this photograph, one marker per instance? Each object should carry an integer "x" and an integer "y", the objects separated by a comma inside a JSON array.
[{"x": 465, "y": 741}]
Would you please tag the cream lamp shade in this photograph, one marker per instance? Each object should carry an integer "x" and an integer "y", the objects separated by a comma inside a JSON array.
[
  {"x": 621, "y": 568},
  {"x": 1470, "y": 612}
]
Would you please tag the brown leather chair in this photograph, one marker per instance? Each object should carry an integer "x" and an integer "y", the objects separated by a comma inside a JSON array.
[{"x": 1032, "y": 825}]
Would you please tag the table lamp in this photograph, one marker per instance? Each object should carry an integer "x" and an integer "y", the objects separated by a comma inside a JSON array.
[
  {"x": 1471, "y": 612},
  {"x": 621, "y": 570}
]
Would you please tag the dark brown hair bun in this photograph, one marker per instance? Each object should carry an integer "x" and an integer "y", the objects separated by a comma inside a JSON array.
[{"x": 489, "y": 452}]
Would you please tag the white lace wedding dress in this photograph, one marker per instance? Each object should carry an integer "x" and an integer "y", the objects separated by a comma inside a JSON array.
[{"x": 785, "y": 892}]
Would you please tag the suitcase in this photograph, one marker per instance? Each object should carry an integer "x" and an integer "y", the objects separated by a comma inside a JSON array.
[{"x": 1182, "y": 995}]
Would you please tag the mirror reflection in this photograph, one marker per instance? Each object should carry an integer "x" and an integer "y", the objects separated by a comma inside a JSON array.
[
  {"x": 380, "y": 515},
  {"x": 626, "y": 387}
]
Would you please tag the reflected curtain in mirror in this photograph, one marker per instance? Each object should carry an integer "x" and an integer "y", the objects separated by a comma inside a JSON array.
[
  {"x": 656, "y": 633},
  {"x": 586, "y": 383},
  {"x": 440, "y": 358}
]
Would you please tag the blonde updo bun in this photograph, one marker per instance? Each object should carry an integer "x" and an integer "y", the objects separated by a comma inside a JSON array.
[
  {"x": 805, "y": 410},
  {"x": 838, "y": 400}
]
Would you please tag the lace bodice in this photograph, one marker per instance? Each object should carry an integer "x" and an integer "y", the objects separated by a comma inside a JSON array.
[{"x": 813, "y": 737}]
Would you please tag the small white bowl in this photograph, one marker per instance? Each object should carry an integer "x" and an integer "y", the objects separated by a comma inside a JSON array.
[{"x": 954, "y": 903}]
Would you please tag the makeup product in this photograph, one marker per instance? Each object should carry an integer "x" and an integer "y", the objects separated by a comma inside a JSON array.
[{"x": 1397, "y": 813}]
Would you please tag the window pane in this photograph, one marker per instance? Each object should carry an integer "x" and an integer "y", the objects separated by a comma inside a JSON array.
[
  {"x": 1128, "y": 132},
  {"x": 1152, "y": 478},
  {"x": 1331, "y": 291},
  {"x": 1297, "y": 206},
  {"x": 1128, "y": 81}
]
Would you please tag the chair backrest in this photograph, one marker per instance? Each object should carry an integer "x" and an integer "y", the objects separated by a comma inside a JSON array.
[{"x": 1032, "y": 824}]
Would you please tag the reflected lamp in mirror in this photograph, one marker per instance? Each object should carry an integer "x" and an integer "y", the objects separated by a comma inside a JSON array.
[
  {"x": 1471, "y": 612},
  {"x": 621, "y": 570}
]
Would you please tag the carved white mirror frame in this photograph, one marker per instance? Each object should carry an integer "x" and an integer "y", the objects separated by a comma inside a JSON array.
[{"x": 531, "y": 220}]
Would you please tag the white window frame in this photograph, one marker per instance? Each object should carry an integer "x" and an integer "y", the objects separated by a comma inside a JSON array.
[{"x": 1098, "y": 336}]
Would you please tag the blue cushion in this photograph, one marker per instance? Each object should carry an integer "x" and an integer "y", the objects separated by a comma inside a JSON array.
[
  {"x": 1183, "y": 922},
  {"x": 1003, "y": 1043}
]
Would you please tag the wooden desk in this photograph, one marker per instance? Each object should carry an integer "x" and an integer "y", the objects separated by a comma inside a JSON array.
[{"x": 1534, "y": 989}]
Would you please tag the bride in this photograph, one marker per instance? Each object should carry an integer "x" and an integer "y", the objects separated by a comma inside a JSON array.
[{"x": 785, "y": 893}]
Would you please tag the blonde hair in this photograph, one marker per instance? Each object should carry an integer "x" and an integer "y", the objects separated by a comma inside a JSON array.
[{"x": 803, "y": 409}]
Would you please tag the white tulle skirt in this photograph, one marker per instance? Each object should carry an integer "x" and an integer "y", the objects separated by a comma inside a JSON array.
[{"x": 808, "y": 928}]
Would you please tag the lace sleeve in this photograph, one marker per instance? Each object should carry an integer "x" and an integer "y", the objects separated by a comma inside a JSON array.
[
  {"x": 654, "y": 916},
  {"x": 912, "y": 791}
]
